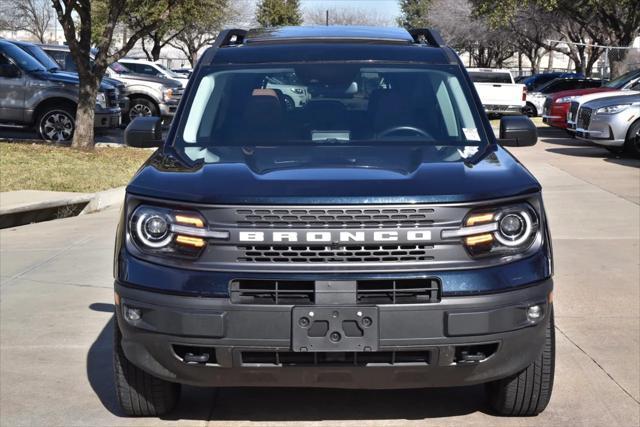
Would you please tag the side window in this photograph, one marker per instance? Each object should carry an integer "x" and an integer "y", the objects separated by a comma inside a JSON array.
[
  {"x": 151, "y": 70},
  {"x": 59, "y": 57},
  {"x": 133, "y": 67},
  {"x": 635, "y": 86},
  {"x": 4, "y": 60}
]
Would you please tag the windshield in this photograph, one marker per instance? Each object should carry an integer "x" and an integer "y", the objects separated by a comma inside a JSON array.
[
  {"x": 168, "y": 72},
  {"x": 25, "y": 61},
  {"x": 331, "y": 105},
  {"x": 42, "y": 57},
  {"x": 119, "y": 68},
  {"x": 489, "y": 77},
  {"x": 622, "y": 81}
]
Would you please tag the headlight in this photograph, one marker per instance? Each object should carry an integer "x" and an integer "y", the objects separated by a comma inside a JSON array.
[
  {"x": 297, "y": 90},
  {"x": 565, "y": 99},
  {"x": 502, "y": 231},
  {"x": 167, "y": 94},
  {"x": 612, "y": 109},
  {"x": 101, "y": 100},
  {"x": 163, "y": 231}
]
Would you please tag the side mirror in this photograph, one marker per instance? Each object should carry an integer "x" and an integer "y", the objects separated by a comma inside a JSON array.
[
  {"x": 9, "y": 71},
  {"x": 144, "y": 132},
  {"x": 517, "y": 131}
]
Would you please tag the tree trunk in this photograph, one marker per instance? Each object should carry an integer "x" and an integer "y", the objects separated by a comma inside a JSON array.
[
  {"x": 616, "y": 62},
  {"x": 155, "y": 50},
  {"x": 83, "y": 136}
]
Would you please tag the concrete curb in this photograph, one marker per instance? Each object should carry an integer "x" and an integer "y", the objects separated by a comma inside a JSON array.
[
  {"x": 104, "y": 199},
  {"x": 59, "y": 205}
]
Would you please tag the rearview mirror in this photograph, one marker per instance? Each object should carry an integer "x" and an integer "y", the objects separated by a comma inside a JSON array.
[
  {"x": 144, "y": 132},
  {"x": 517, "y": 131},
  {"x": 9, "y": 71}
]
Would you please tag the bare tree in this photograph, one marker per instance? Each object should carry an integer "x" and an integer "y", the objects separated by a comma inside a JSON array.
[
  {"x": 486, "y": 46},
  {"x": 346, "y": 16},
  {"x": 93, "y": 22},
  {"x": 201, "y": 26},
  {"x": 31, "y": 16}
]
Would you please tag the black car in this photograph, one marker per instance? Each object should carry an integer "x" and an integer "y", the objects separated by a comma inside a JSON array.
[{"x": 376, "y": 236}]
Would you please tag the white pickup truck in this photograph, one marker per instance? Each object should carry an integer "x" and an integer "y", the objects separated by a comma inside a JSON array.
[{"x": 499, "y": 94}]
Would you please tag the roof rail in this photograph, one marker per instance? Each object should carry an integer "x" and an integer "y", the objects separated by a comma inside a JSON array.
[
  {"x": 230, "y": 37},
  {"x": 427, "y": 36}
]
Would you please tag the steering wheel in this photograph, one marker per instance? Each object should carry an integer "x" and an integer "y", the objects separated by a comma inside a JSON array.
[{"x": 395, "y": 129}]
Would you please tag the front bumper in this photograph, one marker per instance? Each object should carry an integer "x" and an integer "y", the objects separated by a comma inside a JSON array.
[
  {"x": 108, "y": 118},
  {"x": 169, "y": 108},
  {"x": 235, "y": 332},
  {"x": 557, "y": 116},
  {"x": 503, "y": 109}
]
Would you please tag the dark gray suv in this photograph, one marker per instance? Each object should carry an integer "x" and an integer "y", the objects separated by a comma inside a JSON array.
[{"x": 31, "y": 96}]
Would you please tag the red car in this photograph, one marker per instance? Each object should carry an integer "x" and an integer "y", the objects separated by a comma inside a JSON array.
[{"x": 556, "y": 106}]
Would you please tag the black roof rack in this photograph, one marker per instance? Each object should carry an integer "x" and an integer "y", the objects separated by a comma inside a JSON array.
[
  {"x": 230, "y": 37},
  {"x": 235, "y": 37},
  {"x": 427, "y": 36}
]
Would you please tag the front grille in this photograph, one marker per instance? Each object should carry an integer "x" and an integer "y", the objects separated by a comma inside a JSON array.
[
  {"x": 289, "y": 358},
  {"x": 176, "y": 93},
  {"x": 272, "y": 292},
  {"x": 112, "y": 98},
  {"x": 584, "y": 118},
  {"x": 335, "y": 217},
  {"x": 301, "y": 292},
  {"x": 546, "y": 108},
  {"x": 348, "y": 253},
  {"x": 573, "y": 110},
  {"x": 408, "y": 291}
]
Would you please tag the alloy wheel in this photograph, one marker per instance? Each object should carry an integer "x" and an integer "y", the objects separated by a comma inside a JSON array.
[
  {"x": 139, "y": 110},
  {"x": 57, "y": 126}
]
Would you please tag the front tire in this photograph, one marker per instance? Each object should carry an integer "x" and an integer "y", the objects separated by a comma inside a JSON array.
[
  {"x": 529, "y": 110},
  {"x": 139, "y": 393},
  {"x": 142, "y": 107},
  {"x": 57, "y": 124},
  {"x": 632, "y": 142},
  {"x": 527, "y": 393}
]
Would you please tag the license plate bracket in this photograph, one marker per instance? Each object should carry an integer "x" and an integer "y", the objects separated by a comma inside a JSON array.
[{"x": 335, "y": 329}]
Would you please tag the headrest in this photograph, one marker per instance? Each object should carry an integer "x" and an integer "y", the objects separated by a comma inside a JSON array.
[{"x": 264, "y": 92}]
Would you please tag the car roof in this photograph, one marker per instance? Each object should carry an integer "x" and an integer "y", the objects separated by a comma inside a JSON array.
[
  {"x": 328, "y": 33},
  {"x": 309, "y": 44}
]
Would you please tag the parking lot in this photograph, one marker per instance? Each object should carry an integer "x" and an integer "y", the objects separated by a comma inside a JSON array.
[{"x": 56, "y": 321}]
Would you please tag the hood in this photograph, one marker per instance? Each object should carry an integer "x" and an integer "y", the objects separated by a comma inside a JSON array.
[
  {"x": 579, "y": 92},
  {"x": 336, "y": 175},
  {"x": 151, "y": 79},
  {"x": 631, "y": 97},
  {"x": 608, "y": 94},
  {"x": 69, "y": 78}
]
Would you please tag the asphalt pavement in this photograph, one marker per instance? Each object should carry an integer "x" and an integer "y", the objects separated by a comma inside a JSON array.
[{"x": 56, "y": 320}]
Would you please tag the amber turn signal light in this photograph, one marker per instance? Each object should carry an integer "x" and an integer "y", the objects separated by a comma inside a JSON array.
[
  {"x": 479, "y": 239},
  {"x": 195, "y": 242},
  {"x": 189, "y": 220},
  {"x": 479, "y": 219}
]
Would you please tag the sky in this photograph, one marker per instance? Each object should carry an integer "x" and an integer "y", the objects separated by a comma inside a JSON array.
[{"x": 387, "y": 8}]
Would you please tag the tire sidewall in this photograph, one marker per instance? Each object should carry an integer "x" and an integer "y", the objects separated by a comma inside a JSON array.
[
  {"x": 632, "y": 141},
  {"x": 48, "y": 113},
  {"x": 144, "y": 103}
]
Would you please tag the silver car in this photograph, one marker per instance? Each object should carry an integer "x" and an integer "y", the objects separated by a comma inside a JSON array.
[{"x": 613, "y": 122}]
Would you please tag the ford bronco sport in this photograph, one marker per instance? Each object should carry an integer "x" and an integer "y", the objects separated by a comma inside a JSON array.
[{"x": 377, "y": 236}]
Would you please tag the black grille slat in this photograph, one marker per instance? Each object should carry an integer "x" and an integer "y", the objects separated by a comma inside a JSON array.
[
  {"x": 573, "y": 110},
  {"x": 289, "y": 358},
  {"x": 336, "y": 218},
  {"x": 546, "y": 107},
  {"x": 378, "y": 291},
  {"x": 406, "y": 291},
  {"x": 270, "y": 292},
  {"x": 584, "y": 118},
  {"x": 349, "y": 253}
]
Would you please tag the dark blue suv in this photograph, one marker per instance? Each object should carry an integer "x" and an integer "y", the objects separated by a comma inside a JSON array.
[{"x": 376, "y": 235}]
